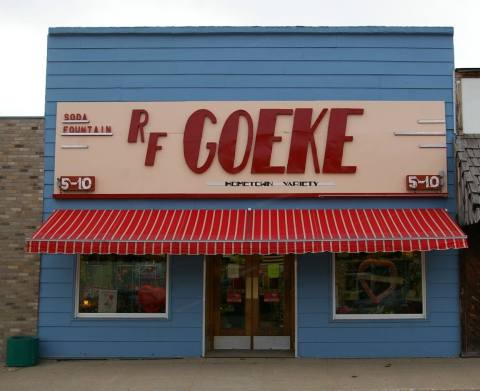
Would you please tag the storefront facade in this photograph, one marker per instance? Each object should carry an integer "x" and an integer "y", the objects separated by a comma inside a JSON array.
[{"x": 249, "y": 189}]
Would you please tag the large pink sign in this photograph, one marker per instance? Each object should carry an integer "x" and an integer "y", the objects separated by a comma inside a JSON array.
[{"x": 258, "y": 149}]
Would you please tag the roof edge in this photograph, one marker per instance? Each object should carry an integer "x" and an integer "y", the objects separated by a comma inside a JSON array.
[
  {"x": 254, "y": 30},
  {"x": 10, "y": 117},
  {"x": 467, "y": 72},
  {"x": 468, "y": 136}
]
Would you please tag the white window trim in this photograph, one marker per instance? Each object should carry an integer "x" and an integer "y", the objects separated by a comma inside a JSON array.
[
  {"x": 423, "y": 315},
  {"x": 79, "y": 315}
]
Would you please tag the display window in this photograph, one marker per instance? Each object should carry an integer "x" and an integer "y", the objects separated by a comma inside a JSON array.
[
  {"x": 122, "y": 286},
  {"x": 379, "y": 285}
]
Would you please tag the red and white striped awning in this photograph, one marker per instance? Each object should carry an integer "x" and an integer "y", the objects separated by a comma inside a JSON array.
[{"x": 263, "y": 231}]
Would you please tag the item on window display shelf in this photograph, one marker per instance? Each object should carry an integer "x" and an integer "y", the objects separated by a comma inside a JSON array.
[
  {"x": 88, "y": 304},
  {"x": 345, "y": 309},
  {"x": 393, "y": 273},
  {"x": 152, "y": 299}
]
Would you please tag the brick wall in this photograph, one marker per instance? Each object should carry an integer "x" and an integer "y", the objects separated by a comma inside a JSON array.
[{"x": 21, "y": 190}]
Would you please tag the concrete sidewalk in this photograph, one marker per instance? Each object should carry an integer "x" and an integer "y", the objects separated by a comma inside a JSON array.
[{"x": 214, "y": 374}]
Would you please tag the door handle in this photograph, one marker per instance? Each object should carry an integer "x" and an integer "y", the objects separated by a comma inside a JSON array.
[
  {"x": 248, "y": 287},
  {"x": 251, "y": 287},
  {"x": 254, "y": 287}
]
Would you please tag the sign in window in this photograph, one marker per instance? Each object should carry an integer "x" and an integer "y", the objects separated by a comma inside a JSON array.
[{"x": 379, "y": 285}]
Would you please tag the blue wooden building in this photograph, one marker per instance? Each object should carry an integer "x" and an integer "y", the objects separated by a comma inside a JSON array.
[{"x": 133, "y": 266}]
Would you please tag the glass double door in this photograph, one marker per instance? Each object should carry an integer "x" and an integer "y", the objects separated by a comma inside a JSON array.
[{"x": 251, "y": 304}]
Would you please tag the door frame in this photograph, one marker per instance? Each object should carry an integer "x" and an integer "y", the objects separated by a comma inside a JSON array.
[{"x": 208, "y": 313}]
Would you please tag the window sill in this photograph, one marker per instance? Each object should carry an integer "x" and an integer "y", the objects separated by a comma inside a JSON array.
[
  {"x": 381, "y": 317},
  {"x": 120, "y": 316}
]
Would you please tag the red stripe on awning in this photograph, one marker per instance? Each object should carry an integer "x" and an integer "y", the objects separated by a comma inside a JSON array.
[{"x": 258, "y": 231}]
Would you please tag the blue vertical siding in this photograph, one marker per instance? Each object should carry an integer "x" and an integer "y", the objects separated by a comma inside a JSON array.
[
  {"x": 248, "y": 64},
  {"x": 63, "y": 335},
  {"x": 321, "y": 336}
]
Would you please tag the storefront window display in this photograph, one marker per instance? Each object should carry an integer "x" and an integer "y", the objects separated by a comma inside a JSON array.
[
  {"x": 379, "y": 285},
  {"x": 122, "y": 286}
]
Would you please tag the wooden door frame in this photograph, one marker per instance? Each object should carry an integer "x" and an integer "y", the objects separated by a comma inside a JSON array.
[{"x": 209, "y": 314}]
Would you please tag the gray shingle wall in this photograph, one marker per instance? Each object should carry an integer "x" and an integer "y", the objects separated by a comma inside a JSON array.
[
  {"x": 21, "y": 191},
  {"x": 468, "y": 170}
]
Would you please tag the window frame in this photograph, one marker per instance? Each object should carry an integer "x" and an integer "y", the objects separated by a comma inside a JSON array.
[
  {"x": 422, "y": 316},
  {"x": 116, "y": 315}
]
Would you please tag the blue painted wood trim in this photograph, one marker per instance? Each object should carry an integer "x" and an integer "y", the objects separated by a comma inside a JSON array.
[{"x": 252, "y": 30}]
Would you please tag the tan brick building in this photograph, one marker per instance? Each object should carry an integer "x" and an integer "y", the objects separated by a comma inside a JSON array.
[{"x": 21, "y": 190}]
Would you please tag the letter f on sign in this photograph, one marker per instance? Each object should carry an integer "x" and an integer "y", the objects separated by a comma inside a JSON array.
[{"x": 153, "y": 147}]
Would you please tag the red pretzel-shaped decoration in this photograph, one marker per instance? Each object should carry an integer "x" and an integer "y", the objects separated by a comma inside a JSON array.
[{"x": 377, "y": 299}]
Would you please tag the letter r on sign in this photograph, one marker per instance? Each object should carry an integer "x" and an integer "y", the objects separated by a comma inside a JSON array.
[{"x": 137, "y": 122}]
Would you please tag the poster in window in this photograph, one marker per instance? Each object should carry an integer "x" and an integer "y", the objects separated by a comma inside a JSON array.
[
  {"x": 234, "y": 296},
  {"x": 273, "y": 270},
  {"x": 107, "y": 300},
  {"x": 233, "y": 270},
  {"x": 271, "y": 297}
]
